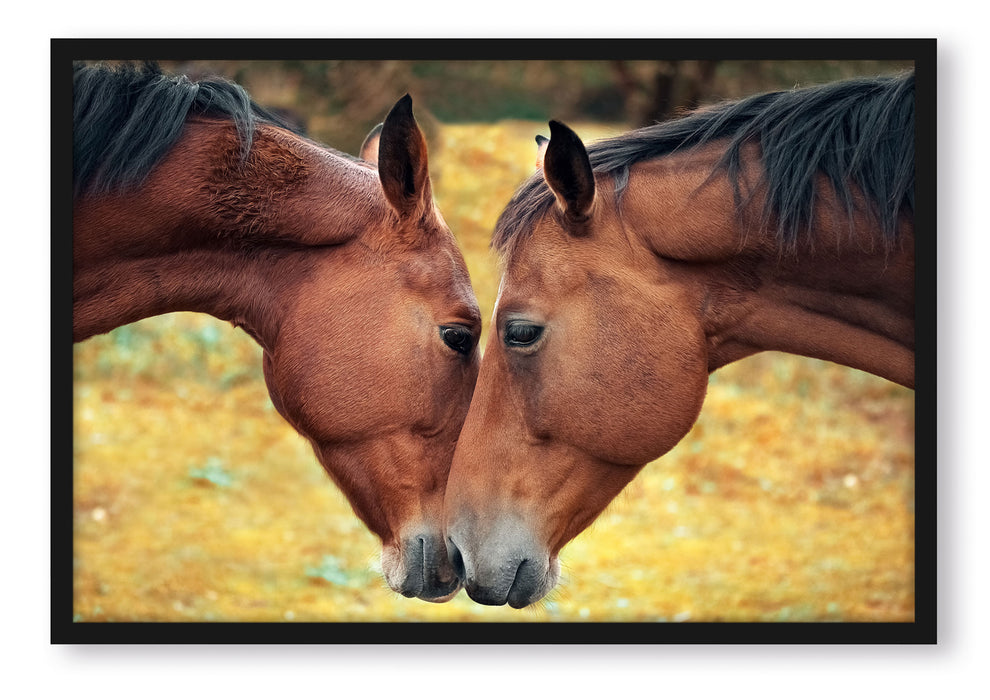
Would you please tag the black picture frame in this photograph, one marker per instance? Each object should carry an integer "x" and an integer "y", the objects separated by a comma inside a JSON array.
[{"x": 65, "y": 631}]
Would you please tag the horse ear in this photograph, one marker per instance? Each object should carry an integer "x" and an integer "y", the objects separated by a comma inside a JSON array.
[
  {"x": 402, "y": 162},
  {"x": 369, "y": 149},
  {"x": 567, "y": 169},
  {"x": 541, "y": 149}
]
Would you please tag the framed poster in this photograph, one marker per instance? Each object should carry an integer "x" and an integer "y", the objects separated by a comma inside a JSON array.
[{"x": 282, "y": 308}]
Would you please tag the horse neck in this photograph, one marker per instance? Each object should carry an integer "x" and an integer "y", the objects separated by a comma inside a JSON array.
[
  {"x": 226, "y": 284},
  {"x": 195, "y": 238},
  {"x": 846, "y": 305},
  {"x": 839, "y": 294}
]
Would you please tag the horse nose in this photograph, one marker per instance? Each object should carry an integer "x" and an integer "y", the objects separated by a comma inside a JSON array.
[
  {"x": 505, "y": 568},
  {"x": 426, "y": 572},
  {"x": 456, "y": 560}
]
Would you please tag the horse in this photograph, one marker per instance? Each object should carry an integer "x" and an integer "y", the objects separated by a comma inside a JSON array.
[
  {"x": 188, "y": 196},
  {"x": 635, "y": 267}
]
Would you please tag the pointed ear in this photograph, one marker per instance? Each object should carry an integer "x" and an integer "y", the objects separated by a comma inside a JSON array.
[
  {"x": 369, "y": 149},
  {"x": 402, "y": 162},
  {"x": 541, "y": 149},
  {"x": 567, "y": 169}
]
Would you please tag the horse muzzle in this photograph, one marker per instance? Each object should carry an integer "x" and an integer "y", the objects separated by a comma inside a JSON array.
[
  {"x": 418, "y": 567},
  {"x": 506, "y": 567}
]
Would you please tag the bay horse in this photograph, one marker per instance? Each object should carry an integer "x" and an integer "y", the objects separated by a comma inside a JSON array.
[
  {"x": 634, "y": 268},
  {"x": 190, "y": 197}
]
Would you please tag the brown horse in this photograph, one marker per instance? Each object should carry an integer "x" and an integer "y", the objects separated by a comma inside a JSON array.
[
  {"x": 633, "y": 269},
  {"x": 189, "y": 197}
]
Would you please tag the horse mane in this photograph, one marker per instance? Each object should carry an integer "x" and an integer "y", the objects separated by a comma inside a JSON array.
[
  {"x": 858, "y": 133},
  {"x": 125, "y": 118}
]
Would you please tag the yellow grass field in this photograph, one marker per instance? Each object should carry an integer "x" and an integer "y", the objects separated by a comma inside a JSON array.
[{"x": 792, "y": 499}]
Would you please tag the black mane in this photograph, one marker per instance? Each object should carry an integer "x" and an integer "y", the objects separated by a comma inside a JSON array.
[
  {"x": 126, "y": 118},
  {"x": 858, "y": 133}
]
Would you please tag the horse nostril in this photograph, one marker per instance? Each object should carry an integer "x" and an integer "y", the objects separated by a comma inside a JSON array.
[
  {"x": 526, "y": 582},
  {"x": 456, "y": 560}
]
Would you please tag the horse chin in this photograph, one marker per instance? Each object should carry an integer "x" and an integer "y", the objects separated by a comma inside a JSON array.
[
  {"x": 417, "y": 567},
  {"x": 443, "y": 598},
  {"x": 521, "y": 596}
]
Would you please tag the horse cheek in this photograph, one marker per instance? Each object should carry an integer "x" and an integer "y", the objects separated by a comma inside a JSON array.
[
  {"x": 653, "y": 396},
  {"x": 676, "y": 390}
]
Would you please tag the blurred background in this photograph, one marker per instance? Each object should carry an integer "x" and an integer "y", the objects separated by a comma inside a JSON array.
[
  {"x": 791, "y": 499},
  {"x": 338, "y": 102}
]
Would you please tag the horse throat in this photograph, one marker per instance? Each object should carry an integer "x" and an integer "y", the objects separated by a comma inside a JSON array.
[
  {"x": 224, "y": 283},
  {"x": 854, "y": 308}
]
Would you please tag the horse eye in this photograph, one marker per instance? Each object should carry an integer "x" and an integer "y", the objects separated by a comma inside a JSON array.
[
  {"x": 457, "y": 338},
  {"x": 522, "y": 334}
]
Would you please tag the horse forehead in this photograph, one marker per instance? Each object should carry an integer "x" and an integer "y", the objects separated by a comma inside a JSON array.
[
  {"x": 545, "y": 265},
  {"x": 438, "y": 270}
]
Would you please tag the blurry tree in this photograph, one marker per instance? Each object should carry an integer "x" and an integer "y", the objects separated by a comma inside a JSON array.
[
  {"x": 339, "y": 102},
  {"x": 655, "y": 92}
]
